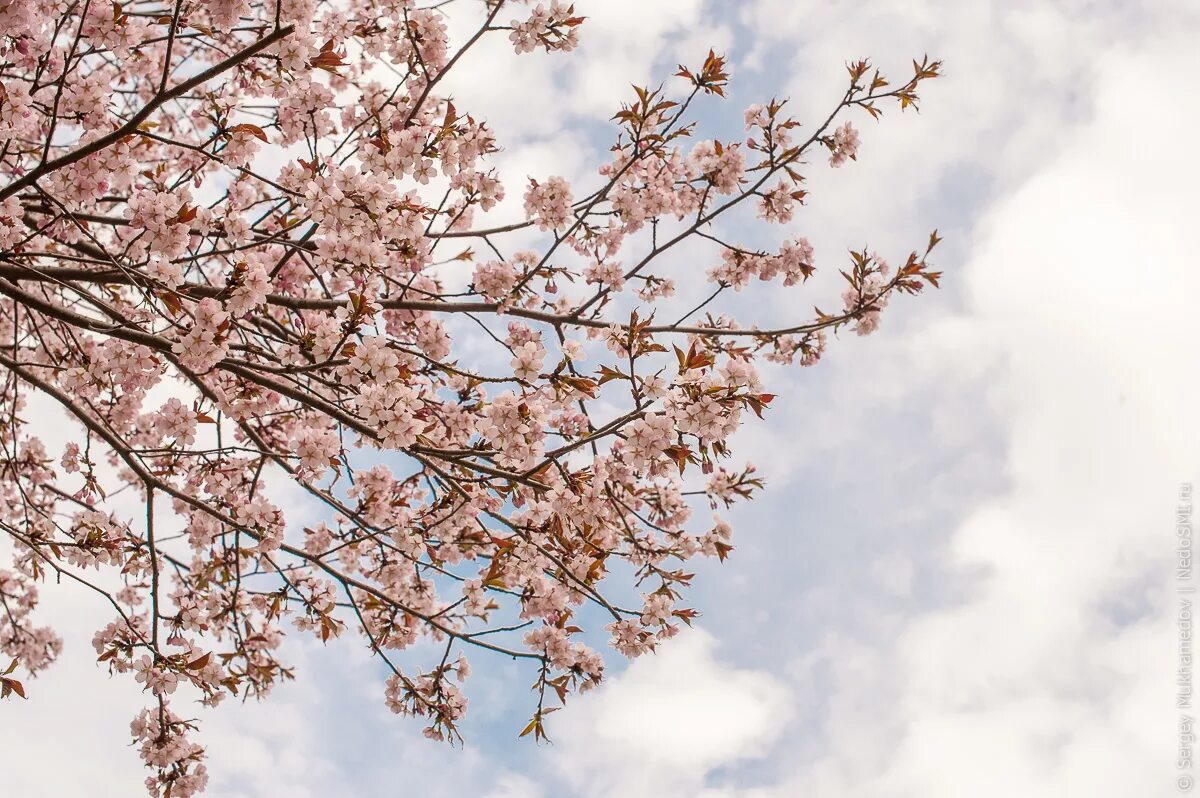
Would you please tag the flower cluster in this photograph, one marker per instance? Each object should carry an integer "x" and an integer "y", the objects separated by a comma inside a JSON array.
[
  {"x": 549, "y": 203},
  {"x": 844, "y": 145},
  {"x": 552, "y": 28},
  {"x": 204, "y": 345}
]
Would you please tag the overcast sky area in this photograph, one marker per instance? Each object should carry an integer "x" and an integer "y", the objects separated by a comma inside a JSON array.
[{"x": 959, "y": 579}]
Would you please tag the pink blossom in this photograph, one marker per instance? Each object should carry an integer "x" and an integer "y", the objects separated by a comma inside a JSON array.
[
  {"x": 549, "y": 203},
  {"x": 845, "y": 145}
]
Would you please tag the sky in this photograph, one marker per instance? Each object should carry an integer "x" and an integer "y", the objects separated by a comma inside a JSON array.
[{"x": 959, "y": 579}]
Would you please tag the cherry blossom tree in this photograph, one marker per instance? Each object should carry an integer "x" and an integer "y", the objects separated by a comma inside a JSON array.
[{"x": 249, "y": 250}]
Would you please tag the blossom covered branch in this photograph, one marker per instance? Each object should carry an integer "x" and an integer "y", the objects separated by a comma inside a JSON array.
[{"x": 224, "y": 233}]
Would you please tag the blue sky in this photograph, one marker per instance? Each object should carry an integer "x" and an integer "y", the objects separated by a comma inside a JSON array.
[{"x": 958, "y": 580}]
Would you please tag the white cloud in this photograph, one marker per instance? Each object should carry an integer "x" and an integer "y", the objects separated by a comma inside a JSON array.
[
  {"x": 1081, "y": 288},
  {"x": 622, "y": 42},
  {"x": 74, "y": 728},
  {"x": 660, "y": 727},
  {"x": 513, "y": 786}
]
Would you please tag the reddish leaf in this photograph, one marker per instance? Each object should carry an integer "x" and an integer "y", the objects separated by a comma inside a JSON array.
[{"x": 253, "y": 130}]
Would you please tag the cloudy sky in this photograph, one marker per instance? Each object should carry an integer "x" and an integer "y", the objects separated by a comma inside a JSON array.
[{"x": 959, "y": 579}]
